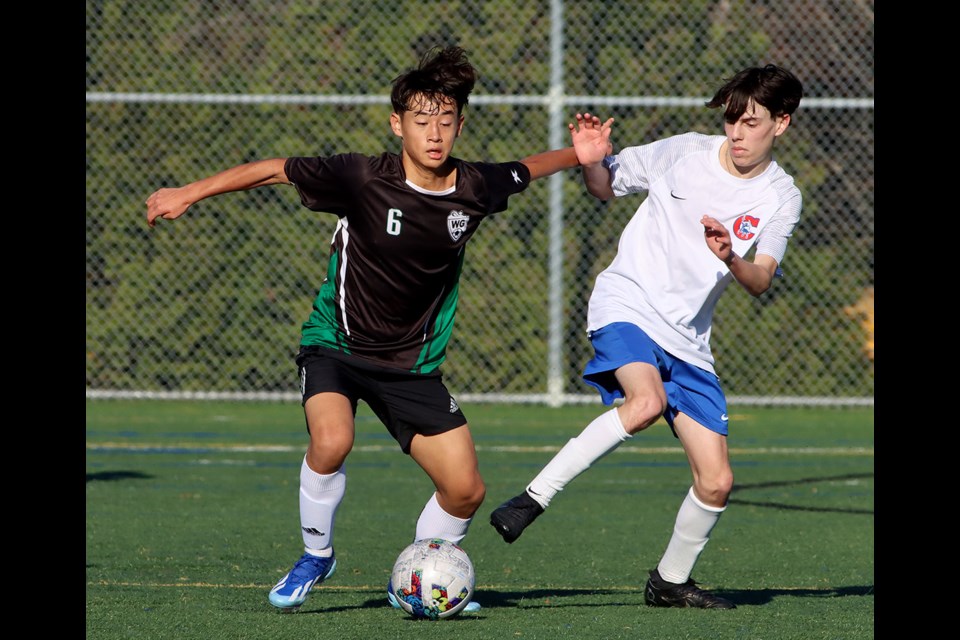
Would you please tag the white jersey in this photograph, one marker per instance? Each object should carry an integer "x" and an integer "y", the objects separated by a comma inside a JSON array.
[{"x": 664, "y": 278}]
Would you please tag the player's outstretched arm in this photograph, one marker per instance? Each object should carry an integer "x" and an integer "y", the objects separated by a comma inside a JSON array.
[
  {"x": 549, "y": 162},
  {"x": 591, "y": 140},
  {"x": 755, "y": 277},
  {"x": 594, "y": 138},
  {"x": 171, "y": 203}
]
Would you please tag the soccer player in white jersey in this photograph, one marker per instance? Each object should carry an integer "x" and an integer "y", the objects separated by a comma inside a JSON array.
[{"x": 710, "y": 200}]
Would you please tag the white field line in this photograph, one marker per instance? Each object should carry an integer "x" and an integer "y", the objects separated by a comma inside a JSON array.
[
  {"x": 269, "y": 448},
  {"x": 378, "y": 588}
]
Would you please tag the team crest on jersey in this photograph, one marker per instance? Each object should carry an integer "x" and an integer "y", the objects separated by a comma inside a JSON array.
[
  {"x": 745, "y": 227},
  {"x": 457, "y": 224}
]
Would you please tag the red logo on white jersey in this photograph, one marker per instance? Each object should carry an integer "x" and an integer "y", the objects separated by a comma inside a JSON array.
[{"x": 744, "y": 227}]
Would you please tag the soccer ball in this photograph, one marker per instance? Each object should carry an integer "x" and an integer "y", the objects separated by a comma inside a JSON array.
[{"x": 432, "y": 579}]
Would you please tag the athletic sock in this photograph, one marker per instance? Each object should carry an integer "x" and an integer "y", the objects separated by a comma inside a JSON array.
[
  {"x": 695, "y": 521},
  {"x": 599, "y": 438},
  {"x": 320, "y": 495},
  {"x": 434, "y": 522}
]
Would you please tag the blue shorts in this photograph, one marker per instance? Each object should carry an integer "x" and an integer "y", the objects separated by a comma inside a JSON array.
[{"x": 690, "y": 389}]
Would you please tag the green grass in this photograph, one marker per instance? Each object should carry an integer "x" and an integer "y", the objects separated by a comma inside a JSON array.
[{"x": 192, "y": 516}]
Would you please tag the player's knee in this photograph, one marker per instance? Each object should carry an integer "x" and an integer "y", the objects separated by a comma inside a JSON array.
[
  {"x": 475, "y": 494},
  {"x": 327, "y": 454},
  {"x": 477, "y": 497},
  {"x": 715, "y": 489},
  {"x": 466, "y": 498},
  {"x": 639, "y": 412}
]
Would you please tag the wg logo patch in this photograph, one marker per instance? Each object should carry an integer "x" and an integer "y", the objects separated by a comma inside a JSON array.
[
  {"x": 744, "y": 227},
  {"x": 457, "y": 224}
]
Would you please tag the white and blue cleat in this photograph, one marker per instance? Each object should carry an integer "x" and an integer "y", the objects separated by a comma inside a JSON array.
[{"x": 293, "y": 588}]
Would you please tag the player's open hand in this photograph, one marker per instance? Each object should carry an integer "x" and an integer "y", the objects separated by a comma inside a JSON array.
[
  {"x": 168, "y": 204},
  {"x": 591, "y": 138},
  {"x": 717, "y": 237}
]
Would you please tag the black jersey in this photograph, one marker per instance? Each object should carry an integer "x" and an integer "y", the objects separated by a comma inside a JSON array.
[{"x": 392, "y": 283}]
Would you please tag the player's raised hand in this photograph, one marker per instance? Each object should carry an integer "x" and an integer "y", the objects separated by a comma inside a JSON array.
[
  {"x": 168, "y": 204},
  {"x": 591, "y": 138}
]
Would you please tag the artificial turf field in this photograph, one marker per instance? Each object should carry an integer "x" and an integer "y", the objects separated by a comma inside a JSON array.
[{"x": 192, "y": 516}]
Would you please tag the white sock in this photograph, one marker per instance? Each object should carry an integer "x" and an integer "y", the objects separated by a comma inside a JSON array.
[
  {"x": 320, "y": 495},
  {"x": 599, "y": 438},
  {"x": 434, "y": 522},
  {"x": 695, "y": 521}
]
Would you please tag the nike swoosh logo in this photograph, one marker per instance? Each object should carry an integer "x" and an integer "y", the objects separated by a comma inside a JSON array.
[
  {"x": 724, "y": 417},
  {"x": 672, "y": 194}
]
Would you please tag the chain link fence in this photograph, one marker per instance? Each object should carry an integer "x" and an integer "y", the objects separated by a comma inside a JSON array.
[{"x": 211, "y": 305}]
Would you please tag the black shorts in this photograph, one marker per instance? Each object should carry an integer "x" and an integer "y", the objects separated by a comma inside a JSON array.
[{"x": 406, "y": 403}]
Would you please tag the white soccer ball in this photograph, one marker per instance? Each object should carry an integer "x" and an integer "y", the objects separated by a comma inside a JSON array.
[{"x": 433, "y": 579}]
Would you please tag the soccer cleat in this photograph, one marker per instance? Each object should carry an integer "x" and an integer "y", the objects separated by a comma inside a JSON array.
[
  {"x": 309, "y": 571},
  {"x": 470, "y": 607},
  {"x": 515, "y": 515},
  {"x": 660, "y": 593},
  {"x": 392, "y": 599}
]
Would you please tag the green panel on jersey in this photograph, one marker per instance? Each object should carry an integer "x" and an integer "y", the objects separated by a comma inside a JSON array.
[
  {"x": 434, "y": 351},
  {"x": 322, "y": 328}
]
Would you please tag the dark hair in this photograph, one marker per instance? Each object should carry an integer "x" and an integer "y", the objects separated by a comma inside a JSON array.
[
  {"x": 441, "y": 75},
  {"x": 771, "y": 86}
]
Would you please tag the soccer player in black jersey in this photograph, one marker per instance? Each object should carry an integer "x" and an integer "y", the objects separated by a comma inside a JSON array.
[{"x": 384, "y": 313}]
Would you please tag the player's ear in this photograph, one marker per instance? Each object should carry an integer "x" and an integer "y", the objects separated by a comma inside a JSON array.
[
  {"x": 395, "y": 124},
  {"x": 784, "y": 122},
  {"x": 460, "y": 125}
]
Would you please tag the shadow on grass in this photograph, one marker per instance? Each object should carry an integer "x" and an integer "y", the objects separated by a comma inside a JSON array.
[
  {"x": 117, "y": 475},
  {"x": 554, "y": 598},
  {"x": 764, "y": 596},
  {"x": 738, "y": 488}
]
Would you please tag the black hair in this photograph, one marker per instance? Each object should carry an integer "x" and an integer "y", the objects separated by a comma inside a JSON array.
[
  {"x": 770, "y": 86},
  {"x": 443, "y": 74}
]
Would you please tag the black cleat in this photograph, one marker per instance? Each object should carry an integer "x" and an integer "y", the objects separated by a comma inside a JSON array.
[
  {"x": 660, "y": 593},
  {"x": 515, "y": 515}
]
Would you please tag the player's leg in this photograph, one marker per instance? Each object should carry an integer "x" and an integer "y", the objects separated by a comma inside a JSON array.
[
  {"x": 429, "y": 426},
  {"x": 323, "y": 480},
  {"x": 704, "y": 440},
  {"x": 644, "y": 403},
  {"x": 709, "y": 461},
  {"x": 329, "y": 414},
  {"x": 450, "y": 460},
  {"x": 624, "y": 365}
]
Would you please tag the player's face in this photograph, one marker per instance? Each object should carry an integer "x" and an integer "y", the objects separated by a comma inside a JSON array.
[
  {"x": 429, "y": 130},
  {"x": 752, "y": 136}
]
